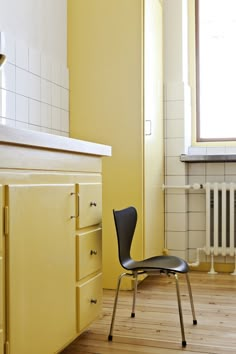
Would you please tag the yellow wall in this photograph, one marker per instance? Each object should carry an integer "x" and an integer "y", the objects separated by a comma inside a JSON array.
[{"x": 105, "y": 59}]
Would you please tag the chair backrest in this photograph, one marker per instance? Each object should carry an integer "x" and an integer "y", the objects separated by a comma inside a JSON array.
[{"x": 125, "y": 222}]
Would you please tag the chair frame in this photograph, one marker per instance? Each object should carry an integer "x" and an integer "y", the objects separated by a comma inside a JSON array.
[{"x": 135, "y": 274}]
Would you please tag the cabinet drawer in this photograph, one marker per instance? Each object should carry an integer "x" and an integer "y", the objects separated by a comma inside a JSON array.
[
  {"x": 89, "y": 301},
  {"x": 88, "y": 253},
  {"x": 89, "y": 204}
]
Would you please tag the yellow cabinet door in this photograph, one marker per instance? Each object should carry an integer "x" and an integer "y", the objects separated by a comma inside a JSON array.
[
  {"x": 89, "y": 301},
  {"x": 89, "y": 204},
  {"x": 1, "y": 276},
  {"x": 88, "y": 253},
  {"x": 41, "y": 268}
]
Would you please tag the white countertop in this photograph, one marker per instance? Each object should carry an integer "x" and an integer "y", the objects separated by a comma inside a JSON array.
[{"x": 13, "y": 136}]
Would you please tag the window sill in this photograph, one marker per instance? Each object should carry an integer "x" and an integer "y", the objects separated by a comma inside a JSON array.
[{"x": 208, "y": 158}]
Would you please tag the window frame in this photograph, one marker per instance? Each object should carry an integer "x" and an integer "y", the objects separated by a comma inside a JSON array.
[{"x": 198, "y": 138}]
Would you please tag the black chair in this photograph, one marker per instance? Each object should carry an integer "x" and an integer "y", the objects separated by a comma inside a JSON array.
[{"x": 125, "y": 222}]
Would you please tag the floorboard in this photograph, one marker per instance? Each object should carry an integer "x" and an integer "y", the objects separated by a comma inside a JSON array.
[{"x": 155, "y": 328}]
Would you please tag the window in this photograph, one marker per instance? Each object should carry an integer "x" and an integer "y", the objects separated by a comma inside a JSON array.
[{"x": 216, "y": 69}]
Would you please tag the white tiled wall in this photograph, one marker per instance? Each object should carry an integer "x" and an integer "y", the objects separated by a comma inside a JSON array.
[
  {"x": 185, "y": 221},
  {"x": 176, "y": 218},
  {"x": 34, "y": 89}
]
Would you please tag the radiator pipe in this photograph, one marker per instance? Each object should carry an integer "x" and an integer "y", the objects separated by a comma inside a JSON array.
[
  {"x": 195, "y": 186},
  {"x": 197, "y": 262}
]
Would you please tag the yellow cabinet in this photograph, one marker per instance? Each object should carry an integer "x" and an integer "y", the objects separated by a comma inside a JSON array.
[
  {"x": 89, "y": 300},
  {"x": 88, "y": 253},
  {"x": 50, "y": 240},
  {"x": 89, "y": 204},
  {"x": 41, "y": 267},
  {"x": 118, "y": 98}
]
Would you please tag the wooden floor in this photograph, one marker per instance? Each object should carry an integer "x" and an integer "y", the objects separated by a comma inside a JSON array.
[{"x": 155, "y": 329}]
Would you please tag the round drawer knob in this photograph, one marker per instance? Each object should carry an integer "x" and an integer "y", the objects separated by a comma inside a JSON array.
[
  {"x": 93, "y": 252},
  {"x": 93, "y": 301},
  {"x": 93, "y": 204}
]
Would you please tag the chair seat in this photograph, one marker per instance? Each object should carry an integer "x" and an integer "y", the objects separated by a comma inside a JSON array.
[{"x": 167, "y": 263}]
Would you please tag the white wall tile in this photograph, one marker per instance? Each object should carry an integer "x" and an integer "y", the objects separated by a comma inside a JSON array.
[
  {"x": 22, "y": 82},
  {"x": 65, "y": 121},
  {"x": 176, "y": 222},
  {"x": 175, "y": 128},
  {"x": 193, "y": 150},
  {"x": 230, "y": 168},
  {"x": 197, "y": 179},
  {"x": 176, "y": 203},
  {"x": 46, "y": 68},
  {"x": 215, "y": 178},
  {"x": 179, "y": 253},
  {"x": 56, "y": 73},
  {"x": 197, "y": 169},
  {"x": 46, "y": 91},
  {"x": 197, "y": 239},
  {"x": 197, "y": 202},
  {"x": 56, "y": 95},
  {"x": 34, "y": 112},
  {"x": 34, "y": 61},
  {"x": 174, "y": 166},
  {"x": 56, "y": 118},
  {"x": 22, "y": 55},
  {"x": 22, "y": 108},
  {"x": 65, "y": 78},
  {"x": 215, "y": 150},
  {"x": 34, "y": 89},
  {"x": 197, "y": 221},
  {"x": 7, "y": 104},
  {"x": 8, "y": 47},
  {"x": 46, "y": 115},
  {"x": 46, "y": 130},
  {"x": 34, "y": 127},
  {"x": 34, "y": 86},
  {"x": 7, "y": 122},
  {"x": 176, "y": 240},
  {"x": 8, "y": 77},
  {"x": 174, "y": 146},
  {"x": 175, "y": 91},
  {"x": 175, "y": 110},
  {"x": 216, "y": 169},
  {"x": 22, "y": 125},
  {"x": 64, "y": 99}
]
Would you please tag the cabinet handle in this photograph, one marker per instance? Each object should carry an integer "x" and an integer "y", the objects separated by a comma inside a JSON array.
[
  {"x": 93, "y": 204},
  {"x": 93, "y": 252},
  {"x": 93, "y": 301}
]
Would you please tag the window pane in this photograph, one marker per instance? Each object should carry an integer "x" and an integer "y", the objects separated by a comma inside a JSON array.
[{"x": 217, "y": 69}]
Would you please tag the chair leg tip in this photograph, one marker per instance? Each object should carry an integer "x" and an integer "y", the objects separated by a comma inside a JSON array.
[
  {"x": 184, "y": 343},
  {"x": 195, "y": 322},
  {"x": 110, "y": 337},
  {"x": 132, "y": 314}
]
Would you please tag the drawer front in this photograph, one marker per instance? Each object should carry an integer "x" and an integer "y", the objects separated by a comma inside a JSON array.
[
  {"x": 89, "y": 204},
  {"x": 88, "y": 253},
  {"x": 89, "y": 301}
]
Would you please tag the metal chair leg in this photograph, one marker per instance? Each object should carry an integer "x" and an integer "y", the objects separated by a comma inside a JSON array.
[
  {"x": 191, "y": 299},
  {"x": 115, "y": 305},
  {"x": 184, "y": 343},
  {"x": 134, "y": 293}
]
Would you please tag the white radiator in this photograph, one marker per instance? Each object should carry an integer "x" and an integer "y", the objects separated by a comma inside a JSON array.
[{"x": 220, "y": 219}]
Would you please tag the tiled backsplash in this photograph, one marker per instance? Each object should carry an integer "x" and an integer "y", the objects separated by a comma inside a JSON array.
[
  {"x": 185, "y": 210},
  {"x": 34, "y": 89}
]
